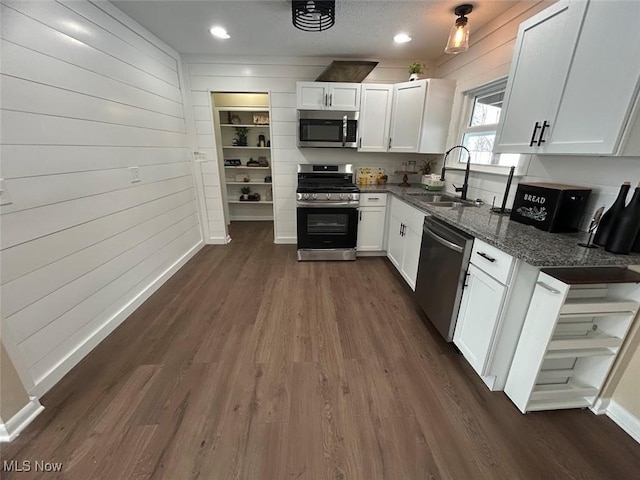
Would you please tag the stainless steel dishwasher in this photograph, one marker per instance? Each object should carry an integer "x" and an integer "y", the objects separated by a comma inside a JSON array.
[{"x": 444, "y": 258}]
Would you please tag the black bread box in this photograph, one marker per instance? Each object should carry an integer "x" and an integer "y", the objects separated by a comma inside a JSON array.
[{"x": 552, "y": 207}]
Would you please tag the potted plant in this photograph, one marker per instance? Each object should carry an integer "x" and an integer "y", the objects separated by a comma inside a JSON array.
[
  {"x": 426, "y": 167},
  {"x": 242, "y": 135},
  {"x": 245, "y": 191},
  {"x": 415, "y": 69}
]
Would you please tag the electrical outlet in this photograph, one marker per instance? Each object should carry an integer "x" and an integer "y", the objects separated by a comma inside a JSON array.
[
  {"x": 5, "y": 199},
  {"x": 135, "y": 174}
]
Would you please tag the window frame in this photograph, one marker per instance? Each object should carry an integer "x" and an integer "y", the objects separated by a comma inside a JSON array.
[{"x": 468, "y": 103}]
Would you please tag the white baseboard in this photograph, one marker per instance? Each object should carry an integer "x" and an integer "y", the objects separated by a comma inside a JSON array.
[
  {"x": 54, "y": 375},
  {"x": 217, "y": 241},
  {"x": 380, "y": 253},
  {"x": 17, "y": 423},
  {"x": 286, "y": 240},
  {"x": 600, "y": 406},
  {"x": 624, "y": 419}
]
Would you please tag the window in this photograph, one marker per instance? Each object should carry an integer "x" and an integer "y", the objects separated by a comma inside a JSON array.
[{"x": 481, "y": 117}]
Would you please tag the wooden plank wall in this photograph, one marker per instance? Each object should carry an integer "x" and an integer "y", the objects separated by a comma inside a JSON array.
[
  {"x": 278, "y": 76},
  {"x": 86, "y": 94}
]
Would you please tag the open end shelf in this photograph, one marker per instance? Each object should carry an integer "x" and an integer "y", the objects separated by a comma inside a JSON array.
[
  {"x": 536, "y": 405},
  {"x": 578, "y": 353},
  {"x": 562, "y": 391},
  {"x": 593, "y": 340},
  {"x": 595, "y": 306}
]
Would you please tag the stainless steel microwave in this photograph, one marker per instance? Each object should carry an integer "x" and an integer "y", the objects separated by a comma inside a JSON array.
[{"x": 323, "y": 128}]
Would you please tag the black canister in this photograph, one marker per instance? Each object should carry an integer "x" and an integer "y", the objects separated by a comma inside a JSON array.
[
  {"x": 626, "y": 227},
  {"x": 609, "y": 218}
]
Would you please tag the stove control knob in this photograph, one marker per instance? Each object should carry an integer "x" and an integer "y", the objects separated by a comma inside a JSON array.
[
  {"x": 305, "y": 196},
  {"x": 315, "y": 196},
  {"x": 328, "y": 196},
  {"x": 342, "y": 196}
]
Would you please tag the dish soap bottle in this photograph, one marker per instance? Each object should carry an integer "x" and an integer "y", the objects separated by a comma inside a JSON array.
[
  {"x": 626, "y": 227},
  {"x": 610, "y": 216}
]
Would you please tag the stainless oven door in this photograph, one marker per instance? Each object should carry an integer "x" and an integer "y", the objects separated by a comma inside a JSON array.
[{"x": 327, "y": 227}]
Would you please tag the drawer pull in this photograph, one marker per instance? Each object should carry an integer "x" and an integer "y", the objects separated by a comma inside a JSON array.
[
  {"x": 374, "y": 198},
  {"x": 547, "y": 287},
  {"x": 486, "y": 257}
]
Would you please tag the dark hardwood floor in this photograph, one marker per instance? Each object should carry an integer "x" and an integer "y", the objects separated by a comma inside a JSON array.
[{"x": 249, "y": 365}]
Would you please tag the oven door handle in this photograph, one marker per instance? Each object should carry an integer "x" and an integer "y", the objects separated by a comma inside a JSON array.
[
  {"x": 442, "y": 241},
  {"x": 326, "y": 205}
]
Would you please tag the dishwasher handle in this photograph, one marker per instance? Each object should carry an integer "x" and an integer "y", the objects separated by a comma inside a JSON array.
[{"x": 440, "y": 240}]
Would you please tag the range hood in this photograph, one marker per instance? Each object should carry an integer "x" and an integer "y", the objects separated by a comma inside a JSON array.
[{"x": 346, "y": 71}]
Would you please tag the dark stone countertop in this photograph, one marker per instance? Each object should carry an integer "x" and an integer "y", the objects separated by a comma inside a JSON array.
[{"x": 536, "y": 247}]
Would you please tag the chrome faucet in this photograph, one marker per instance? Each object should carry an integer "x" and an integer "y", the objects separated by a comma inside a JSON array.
[{"x": 465, "y": 186}]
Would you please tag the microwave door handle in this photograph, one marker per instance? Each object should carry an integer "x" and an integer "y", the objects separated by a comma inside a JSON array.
[{"x": 344, "y": 131}]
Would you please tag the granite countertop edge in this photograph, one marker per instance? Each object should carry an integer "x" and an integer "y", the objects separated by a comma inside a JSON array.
[{"x": 534, "y": 246}]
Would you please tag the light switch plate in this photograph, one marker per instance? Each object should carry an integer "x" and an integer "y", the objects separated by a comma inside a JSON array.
[
  {"x": 5, "y": 199},
  {"x": 135, "y": 174},
  {"x": 199, "y": 156}
]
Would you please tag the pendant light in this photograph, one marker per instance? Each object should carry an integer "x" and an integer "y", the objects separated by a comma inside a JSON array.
[
  {"x": 313, "y": 15},
  {"x": 459, "y": 36}
]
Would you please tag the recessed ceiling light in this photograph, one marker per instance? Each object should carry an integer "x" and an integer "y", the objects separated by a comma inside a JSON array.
[
  {"x": 219, "y": 32},
  {"x": 402, "y": 38}
]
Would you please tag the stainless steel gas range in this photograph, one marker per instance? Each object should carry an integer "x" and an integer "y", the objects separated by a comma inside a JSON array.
[{"x": 327, "y": 203}]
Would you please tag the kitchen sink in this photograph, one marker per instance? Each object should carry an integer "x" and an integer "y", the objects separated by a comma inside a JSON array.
[{"x": 440, "y": 200}]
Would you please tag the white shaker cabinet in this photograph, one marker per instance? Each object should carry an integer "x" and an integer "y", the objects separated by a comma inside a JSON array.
[
  {"x": 404, "y": 239},
  {"x": 479, "y": 312},
  {"x": 492, "y": 311},
  {"x": 420, "y": 116},
  {"x": 573, "y": 81},
  {"x": 375, "y": 117},
  {"x": 371, "y": 222},
  {"x": 575, "y": 325},
  {"x": 328, "y": 96}
]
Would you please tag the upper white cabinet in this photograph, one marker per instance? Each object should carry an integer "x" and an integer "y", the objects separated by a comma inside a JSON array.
[
  {"x": 328, "y": 96},
  {"x": 375, "y": 117},
  {"x": 574, "y": 81},
  {"x": 420, "y": 115}
]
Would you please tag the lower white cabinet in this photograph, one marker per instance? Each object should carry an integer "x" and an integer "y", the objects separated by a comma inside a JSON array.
[
  {"x": 371, "y": 222},
  {"x": 573, "y": 331},
  {"x": 492, "y": 311},
  {"x": 479, "y": 312},
  {"x": 404, "y": 239}
]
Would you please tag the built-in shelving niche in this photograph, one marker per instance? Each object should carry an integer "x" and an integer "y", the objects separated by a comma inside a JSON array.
[{"x": 249, "y": 111}]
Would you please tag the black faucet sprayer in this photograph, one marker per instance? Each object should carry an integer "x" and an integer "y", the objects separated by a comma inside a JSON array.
[{"x": 465, "y": 186}]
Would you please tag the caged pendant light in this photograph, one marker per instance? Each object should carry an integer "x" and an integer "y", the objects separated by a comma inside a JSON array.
[
  {"x": 459, "y": 36},
  {"x": 313, "y": 15}
]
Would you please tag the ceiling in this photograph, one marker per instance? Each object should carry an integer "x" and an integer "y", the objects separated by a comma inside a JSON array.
[{"x": 263, "y": 27}]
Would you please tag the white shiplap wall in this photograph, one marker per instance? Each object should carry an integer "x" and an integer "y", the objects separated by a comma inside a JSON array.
[
  {"x": 278, "y": 76},
  {"x": 488, "y": 59},
  {"x": 86, "y": 94}
]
